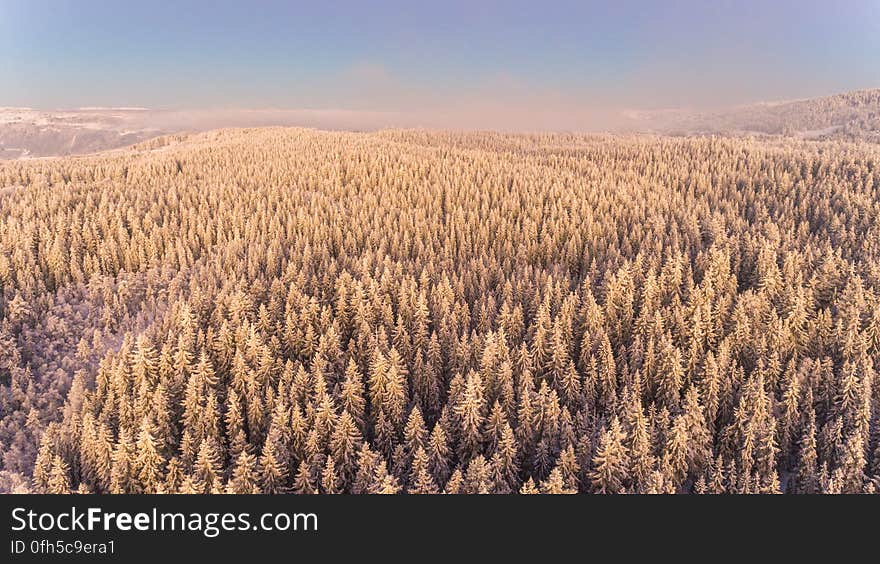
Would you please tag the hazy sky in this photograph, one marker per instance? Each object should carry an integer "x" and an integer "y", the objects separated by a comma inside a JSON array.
[{"x": 433, "y": 58}]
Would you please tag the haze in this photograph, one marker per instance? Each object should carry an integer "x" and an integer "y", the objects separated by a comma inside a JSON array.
[{"x": 487, "y": 64}]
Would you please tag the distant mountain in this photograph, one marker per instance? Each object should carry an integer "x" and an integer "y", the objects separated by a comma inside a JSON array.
[
  {"x": 28, "y": 133},
  {"x": 851, "y": 116},
  {"x": 25, "y": 132}
]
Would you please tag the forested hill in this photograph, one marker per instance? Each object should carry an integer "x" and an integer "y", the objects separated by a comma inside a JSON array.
[
  {"x": 850, "y": 116},
  {"x": 27, "y": 133},
  {"x": 287, "y": 310}
]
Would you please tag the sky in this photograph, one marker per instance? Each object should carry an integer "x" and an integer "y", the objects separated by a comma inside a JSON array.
[{"x": 451, "y": 62}]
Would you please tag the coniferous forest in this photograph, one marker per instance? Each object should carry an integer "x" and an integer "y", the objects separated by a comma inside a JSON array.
[{"x": 295, "y": 311}]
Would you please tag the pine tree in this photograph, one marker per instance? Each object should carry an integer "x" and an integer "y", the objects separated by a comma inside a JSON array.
[
  {"x": 641, "y": 458},
  {"x": 807, "y": 479},
  {"x": 421, "y": 481},
  {"x": 208, "y": 470},
  {"x": 610, "y": 463},
  {"x": 122, "y": 478},
  {"x": 344, "y": 445},
  {"x": 555, "y": 484},
  {"x": 148, "y": 462},
  {"x": 675, "y": 454},
  {"x": 394, "y": 396},
  {"x": 59, "y": 481},
  {"x": 43, "y": 466},
  {"x": 387, "y": 485},
  {"x": 145, "y": 362},
  {"x": 529, "y": 487},
  {"x": 699, "y": 449},
  {"x": 273, "y": 471},
  {"x": 352, "y": 396},
  {"x": 329, "y": 478},
  {"x": 415, "y": 435},
  {"x": 302, "y": 482},
  {"x": 173, "y": 477},
  {"x": 188, "y": 486},
  {"x": 469, "y": 411},
  {"x": 245, "y": 475},
  {"x": 607, "y": 374},
  {"x": 455, "y": 483},
  {"x": 477, "y": 478},
  {"x": 671, "y": 374},
  {"x": 507, "y": 462},
  {"x": 852, "y": 464},
  {"x": 103, "y": 459},
  {"x": 438, "y": 455}
]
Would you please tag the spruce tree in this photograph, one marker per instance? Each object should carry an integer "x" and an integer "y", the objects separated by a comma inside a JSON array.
[{"x": 611, "y": 461}]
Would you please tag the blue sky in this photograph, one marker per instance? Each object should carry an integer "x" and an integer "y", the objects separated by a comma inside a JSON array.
[{"x": 419, "y": 56}]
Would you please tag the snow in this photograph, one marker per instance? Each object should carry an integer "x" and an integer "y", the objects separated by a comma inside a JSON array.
[{"x": 113, "y": 109}]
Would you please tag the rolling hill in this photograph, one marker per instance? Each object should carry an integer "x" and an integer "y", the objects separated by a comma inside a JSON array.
[{"x": 851, "y": 116}]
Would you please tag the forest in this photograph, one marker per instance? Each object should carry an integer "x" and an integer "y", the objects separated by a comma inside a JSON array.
[
  {"x": 281, "y": 310},
  {"x": 851, "y": 116}
]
